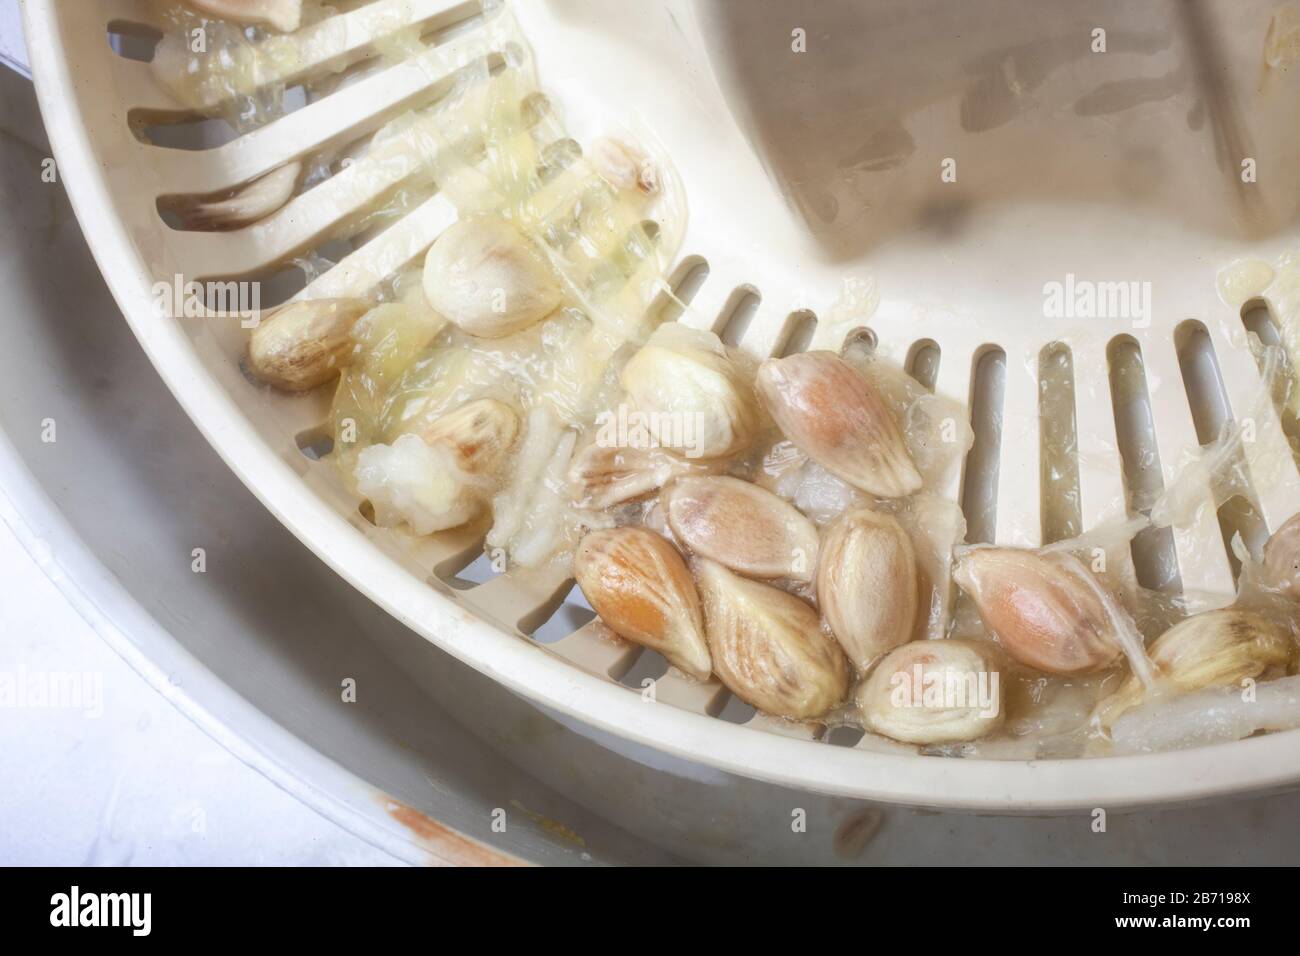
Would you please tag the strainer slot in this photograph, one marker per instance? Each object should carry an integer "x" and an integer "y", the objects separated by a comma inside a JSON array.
[
  {"x": 844, "y": 736},
  {"x": 980, "y": 482},
  {"x": 462, "y": 548},
  {"x": 1155, "y": 559},
  {"x": 1211, "y": 415},
  {"x": 316, "y": 443},
  {"x": 1238, "y": 516},
  {"x": 800, "y": 327},
  {"x": 524, "y": 597},
  {"x": 648, "y": 666},
  {"x": 1258, "y": 318},
  {"x": 468, "y": 570},
  {"x": 685, "y": 282},
  {"x": 597, "y": 650},
  {"x": 860, "y": 344},
  {"x": 567, "y": 613},
  {"x": 923, "y": 363},
  {"x": 133, "y": 41},
  {"x": 736, "y": 711},
  {"x": 1202, "y": 381},
  {"x": 191, "y": 134},
  {"x": 701, "y": 697},
  {"x": 1058, "y": 444},
  {"x": 366, "y": 271},
  {"x": 796, "y": 729},
  {"x": 367, "y": 512},
  {"x": 279, "y": 282},
  {"x": 738, "y": 313},
  {"x": 283, "y": 284}
]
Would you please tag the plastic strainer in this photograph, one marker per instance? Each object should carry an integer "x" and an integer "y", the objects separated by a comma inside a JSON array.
[{"x": 974, "y": 167}]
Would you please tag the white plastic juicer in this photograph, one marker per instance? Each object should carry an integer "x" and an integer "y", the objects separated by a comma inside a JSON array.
[{"x": 928, "y": 173}]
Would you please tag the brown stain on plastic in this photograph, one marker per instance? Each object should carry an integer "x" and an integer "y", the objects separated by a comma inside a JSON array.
[
  {"x": 553, "y": 827},
  {"x": 445, "y": 846},
  {"x": 856, "y": 832}
]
